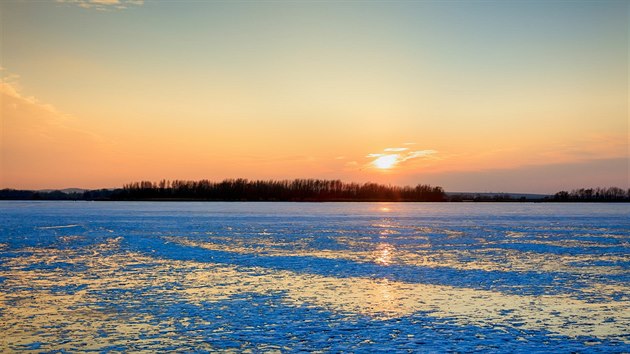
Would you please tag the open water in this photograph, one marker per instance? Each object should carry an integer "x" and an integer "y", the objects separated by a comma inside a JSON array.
[{"x": 329, "y": 277}]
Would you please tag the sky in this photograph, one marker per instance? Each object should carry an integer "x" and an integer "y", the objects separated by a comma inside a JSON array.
[{"x": 480, "y": 96}]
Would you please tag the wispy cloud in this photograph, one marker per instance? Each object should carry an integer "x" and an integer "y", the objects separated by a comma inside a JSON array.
[
  {"x": 417, "y": 154},
  {"x": 39, "y": 140},
  {"x": 10, "y": 86},
  {"x": 103, "y": 5},
  {"x": 393, "y": 156}
]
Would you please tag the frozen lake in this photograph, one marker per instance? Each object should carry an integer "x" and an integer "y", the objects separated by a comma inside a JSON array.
[{"x": 349, "y": 277}]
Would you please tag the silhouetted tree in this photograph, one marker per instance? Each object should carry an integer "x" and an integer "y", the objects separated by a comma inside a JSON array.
[{"x": 274, "y": 190}]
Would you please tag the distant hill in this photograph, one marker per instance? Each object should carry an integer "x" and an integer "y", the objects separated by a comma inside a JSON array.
[{"x": 66, "y": 190}]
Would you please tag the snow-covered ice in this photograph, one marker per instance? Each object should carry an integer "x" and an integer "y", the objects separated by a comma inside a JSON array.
[{"x": 340, "y": 277}]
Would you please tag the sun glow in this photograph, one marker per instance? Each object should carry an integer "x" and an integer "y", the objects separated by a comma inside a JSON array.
[{"x": 386, "y": 161}]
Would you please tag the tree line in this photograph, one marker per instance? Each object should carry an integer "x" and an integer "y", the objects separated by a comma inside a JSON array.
[
  {"x": 315, "y": 190},
  {"x": 278, "y": 190},
  {"x": 610, "y": 194}
]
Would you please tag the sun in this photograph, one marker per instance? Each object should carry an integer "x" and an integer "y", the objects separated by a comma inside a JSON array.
[{"x": 386, "y": 162}]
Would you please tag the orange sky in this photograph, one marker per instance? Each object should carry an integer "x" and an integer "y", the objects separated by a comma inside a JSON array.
[{"x": 464, "y": 95}]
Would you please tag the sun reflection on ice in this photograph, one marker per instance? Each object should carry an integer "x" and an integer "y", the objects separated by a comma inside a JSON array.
[
  {"x": 384, "y": 207},
  {"x": 384, "y": 253}
]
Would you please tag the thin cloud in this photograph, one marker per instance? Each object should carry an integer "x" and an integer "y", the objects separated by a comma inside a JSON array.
[
  {"x": 103, "y": 4},
  {"x": 417, "y": 154},
  {"x": 8, "y": 89},
  {"x": 396, "y": 149},
  {"x": 38, "y": 140},
  {"x": 10, "y": 86}
]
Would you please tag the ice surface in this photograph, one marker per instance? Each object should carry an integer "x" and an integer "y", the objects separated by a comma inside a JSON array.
[{"x": 336, "y": 277}]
